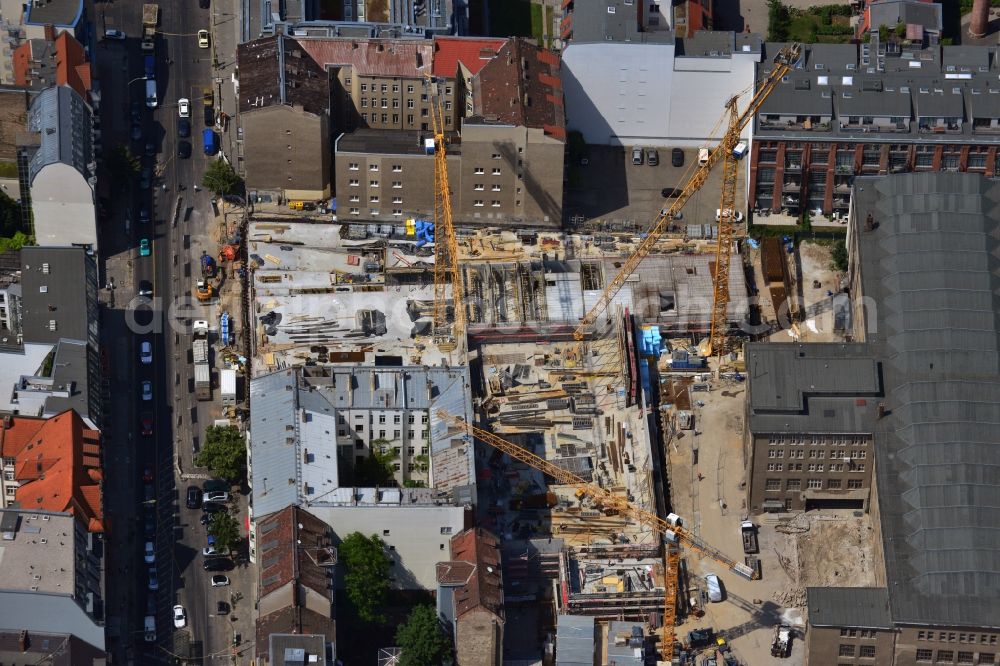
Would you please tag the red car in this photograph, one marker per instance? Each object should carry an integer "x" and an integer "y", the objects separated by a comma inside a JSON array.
[
  {"x": 147, "y": 474},
  {"x": 146, "y": 424}
]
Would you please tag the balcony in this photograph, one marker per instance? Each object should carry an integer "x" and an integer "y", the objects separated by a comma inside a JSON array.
[
  {"x": 875, "y": 127},
  {"x": 815, "y": 124},
  {"x": 986, "y": 125},
  {"x": 844, "y": 169},
  {"x": 944, "y": 128},
  {"x": 795, "y": 167},
  {"x": 791, "y": 186}
]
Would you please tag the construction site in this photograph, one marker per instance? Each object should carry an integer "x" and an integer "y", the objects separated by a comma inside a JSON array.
[{"x": 586, "y": 357}]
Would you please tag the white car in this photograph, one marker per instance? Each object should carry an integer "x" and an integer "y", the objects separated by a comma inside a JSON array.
[
  {"x": 220, "y": 580},
  {"x": 208, "y": 551},
  {"x": 114, "y": 34},
  {"x": 180, "y": 617},
  {"x": 184, "y": 107},
  {"x": 737, "y": 216},
  {"x": 147, "y": 390},
  {"x": 216, "y": 496},
  {"x": 146, "y": 352},
  {"x": 150, "y": 553}
]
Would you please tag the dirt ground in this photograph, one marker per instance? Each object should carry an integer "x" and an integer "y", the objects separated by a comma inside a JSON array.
[
  {"x": 818, "y": 549},
  {"x": 813, "y": 262}
]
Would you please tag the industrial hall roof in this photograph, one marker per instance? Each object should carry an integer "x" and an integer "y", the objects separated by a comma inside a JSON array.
[
  {"x": 930, "y": 275},
  {"x": 866, "y": 607}
]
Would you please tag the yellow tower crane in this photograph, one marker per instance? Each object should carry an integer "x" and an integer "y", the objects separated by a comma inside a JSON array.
[
  {"x": 670, "y": 529},
  {"x": 446, "y": 270},
  {"x": 783, "y": 62}
]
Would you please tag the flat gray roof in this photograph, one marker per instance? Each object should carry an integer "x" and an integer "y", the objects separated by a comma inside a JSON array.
[
  {"x": 60, "y": 13},
  {"x": 37, "y": 549},
  {"x": 575, "y": 640},
  {"x": 54, "y": 283},
  {"x": 804, "y": 388},
  {"x": 931, "y": 270},
  {"x": 50, "y": 614},
  {"x": 862, "y": 607}
]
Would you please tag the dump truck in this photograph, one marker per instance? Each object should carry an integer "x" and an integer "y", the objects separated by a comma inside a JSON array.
[
  {"x": 781, "y": 644},
  {"x": 150, "y": 17},
  {"x": 749, "y": 532},
  {"x": 202, "y": 368}
]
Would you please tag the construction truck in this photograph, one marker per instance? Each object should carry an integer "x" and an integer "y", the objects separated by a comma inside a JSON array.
[
  {"x": 203, "y": 290},
  {"x": 202, "y": 369},
  {"x": 749, "y": 532},
  {"x": 207, "y": 266},
  {"x": 781, "y": 644},
  {"x": 150, "y": 17}
]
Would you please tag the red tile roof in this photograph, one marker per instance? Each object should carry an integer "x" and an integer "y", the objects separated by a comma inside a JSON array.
[
  {"x": 54, "y": 472},
  {"x": 479, "y": 549},
  {"x": 64, "y": 53},
  {"x": 291, "y": 546},
  {"x": 472, "y": 52},
  {"x": 521, "y": 86},
  {"x": 370, "y": 57}
]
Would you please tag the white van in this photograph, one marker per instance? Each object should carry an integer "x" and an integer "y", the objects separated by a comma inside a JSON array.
[
  {"x": 702, "y": 156},
  {"x": 151, "y": 100}
]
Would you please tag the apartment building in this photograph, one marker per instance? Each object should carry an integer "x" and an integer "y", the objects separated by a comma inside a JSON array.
[
  {"x": 506, "y": 165},
  {"x": 50, "y": 584},
  {"x": 810, "y": 417},
  {"x": 312, "y": 426},
  {"x": 631, "y": 21},
  {"x": 60, "y": 60},
  {"x": 22, "y": 21},
  {"x": 868, "y": 109}
]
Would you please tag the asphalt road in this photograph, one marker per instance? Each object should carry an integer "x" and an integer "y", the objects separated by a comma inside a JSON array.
[{"x": 183, "y": 70}]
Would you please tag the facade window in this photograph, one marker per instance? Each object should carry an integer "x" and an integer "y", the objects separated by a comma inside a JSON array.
[
  {"x": 496, "y": 156},
  {"x": 977, "y": 161},
  {"x": 397, "y": 212},
  {"x": 423, "y": 113},
  {"x": 364, "y": 87},
  {"x": 496, "y": 171},
  {"x": 385, "y": 117},
  {"x": 793, "y": 484},
  {"x": 495, "y": 188},
  {"x": 395, "y": 118},
  {"x": 410, "y": 419},
  {"x": 479, "y": 171},
  {"x": 478, "y": 187},
  {"x": 374, "y": 199},
  {"x": 409, "y": 89},
  {"x": 946, "y": 656},
  {"x": 815, "y": 484},
  {"x": 397, "y": 200},
  {"x": 8, "y": 461},
  {"x": 925, "y": 160},
  {"x": 924, "y": 655},
  {"x": 395, "y": 103},
  {"x": 984, "y": 657},
  {"x": 355, "y": 182},
  {"x": 355, "y": 198},
  {"x": 833, "y": 484},
  {"x": 848, "y": 633},
  {"x": 963, "y": 657},
  {"x": 397, "y": 168},
  {"x": 373, "y": 167},
  {"x": 11, "y": 491},
  {"x": 447, "y": 90},
  {"x": 854, "y": 484},
  {"x": 395, "y": 87},
  {"x": 397, "y": 184},
  {"x": 385, "y": 87},
  {"x": 364, "y": 102},
  {"x": 447, "y": 106},
  {"x": 8, "y": 475},
  {"x": 846, "y": 650},
  {"x": 347, "y": 81},
  {"x": 359, "y": 428},
  {"x": 409, "y": 118},
  {"x": 373, "y": 213},
  {"x": 859, "y": 467},
  {"x": 478, "y": 203},
  {"x": 495, "y": 203},
  {"x": 868, "y": 652},
  {"x": 373, "y": 183},
  {"x": 770, "y": 467},
  {"x": 949, "y": 162},
  {"x": 381, "y": 434},
  {"x": 409, "y": 104},
  {"x": 353, "y": 166},
  {"x": 772, "y": 484},
  {"x": 385, "y": 103}
]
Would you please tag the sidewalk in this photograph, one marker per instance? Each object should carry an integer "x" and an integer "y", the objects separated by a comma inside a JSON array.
[{"x": 225, "y": 37}]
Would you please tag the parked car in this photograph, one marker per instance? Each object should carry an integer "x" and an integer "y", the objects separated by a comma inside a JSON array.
[
  {"x": 149, "y": 521},
  {"x": 214, "y": 484},
  {"x": 637, "y": 156},
  {"x": 146, "y": 424},
  {"x": 216, "y": 496},
  {"x": 209, "y": 551},
  {"x": 117, "y": 35},
  {"x": 184, "y": 149},
  {"x": 737, "y": 216},
  {"x": 144, "y": 214},
  {"x": 148, "y": 492},
  {"x": 144, "y": 249},
  {"x": 146, "y": 352},
  {"x": 218, "y": 564},
  {"x": 136, "y": 132},
  {"x": 209, "y": 116},
  {"x": 652, "y": 157},
  {"x": 670, "y": 192},
  {"x": 147, "y": 390},
  {"x": 145, "y": 178},
  {"x": 183, "y": 127},
  {"x": 203, "y": 39},
  {"x": 677, "y": 157},
  {"x": 149, "y": 555},
  {"x": 220, "y": 580},
  {"x": 184, "y": 107},
  {"x": 154, "y": 582},
  {"x": 147, "y": 474},
  {"x": 193, "y": 497},
  {"x": 180, "y": 617},
  {"x": 135, "y": 112},
  {"x": 150, "y": 149},
  {"x": 145, "y": 289}
]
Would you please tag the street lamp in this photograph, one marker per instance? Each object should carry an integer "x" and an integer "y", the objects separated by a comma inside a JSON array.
[{"x": 139, "y": 78}]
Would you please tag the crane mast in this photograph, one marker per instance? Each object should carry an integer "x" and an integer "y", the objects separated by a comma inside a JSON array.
[
  {"x": 446, "y": 270},
  {"x": 784, "y": 61}
]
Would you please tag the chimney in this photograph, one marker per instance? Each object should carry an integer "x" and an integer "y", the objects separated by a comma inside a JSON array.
[{"x": 980, "y": 18}]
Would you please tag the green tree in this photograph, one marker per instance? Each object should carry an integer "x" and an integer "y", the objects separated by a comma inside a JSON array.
[
  {"x": 376, "y": 468},
  {"x": 779, "y": 19},
  {"x": 122, "y": 165},
  {"x": 367, "y": 574},
  {"x": 422, "y": 639},
  {"x": 226, "y": 531},
  {"x": 838, "y": 255},
  {"x": 16, "y": 242},
  {"x": 220, "y": 178},
  {"x": 224, "y": 453}
]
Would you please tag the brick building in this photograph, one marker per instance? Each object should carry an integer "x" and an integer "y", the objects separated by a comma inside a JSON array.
[
  {"x": 810, "y": 417},
  {"x": 868, "y": 109}
]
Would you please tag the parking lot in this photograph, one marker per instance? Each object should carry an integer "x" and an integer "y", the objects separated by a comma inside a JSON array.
[{"x": 610, "y": 193}]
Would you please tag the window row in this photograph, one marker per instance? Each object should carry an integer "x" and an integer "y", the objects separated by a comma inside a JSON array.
[
  {"x": 354, "y": 166},
  {"x": 774, "y": 485},
  {"x": 814, "y": 467},
  {"x": 949, "y": 657},
  {"x": 863, "y": 651},
  {"x": 835, "y": 440},
  {"x": 961, "y": 637},
  {"x": 814, "y": 454}
]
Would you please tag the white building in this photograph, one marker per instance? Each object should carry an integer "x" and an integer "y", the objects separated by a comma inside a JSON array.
[
  {"x": 652, "y": 90},
  {"x": 61, "y": 169},
  {"x": 310, "y": 425}
]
